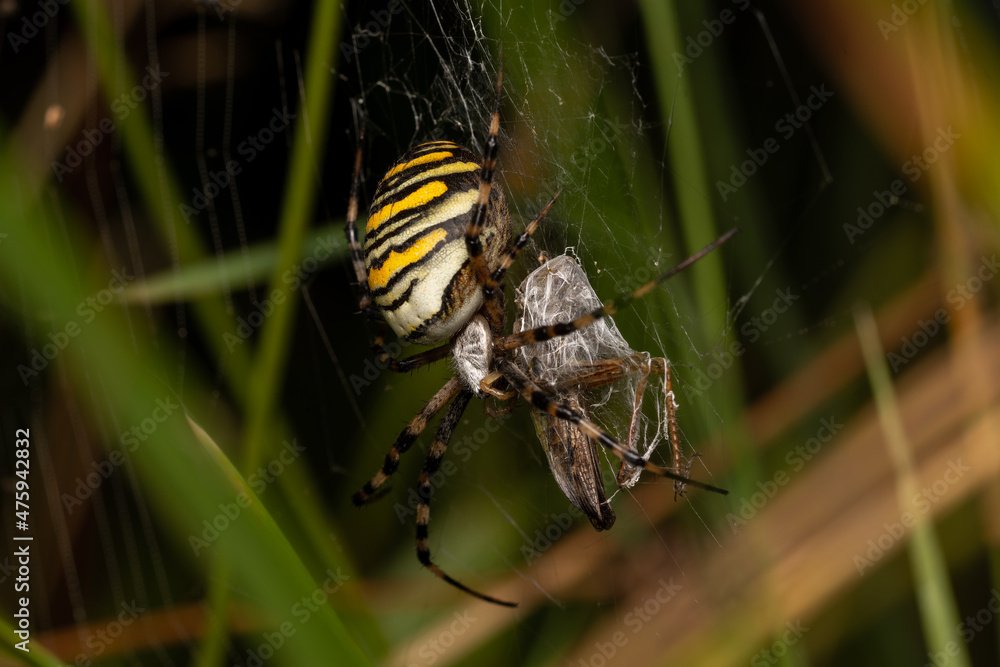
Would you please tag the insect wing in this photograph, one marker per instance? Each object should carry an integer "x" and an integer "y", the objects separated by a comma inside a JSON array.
[{"x": 574, "y": 463}]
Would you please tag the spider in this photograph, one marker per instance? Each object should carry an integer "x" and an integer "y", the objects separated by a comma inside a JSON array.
[{"x": 437, "y": 248}]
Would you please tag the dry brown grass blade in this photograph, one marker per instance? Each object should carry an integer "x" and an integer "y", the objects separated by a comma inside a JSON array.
[
  {"x": 840, "y": 363},
  {"x": 181, "y": 624},
  {"x": 796, "y": 554},
  {"x": 820, "y": 522}
]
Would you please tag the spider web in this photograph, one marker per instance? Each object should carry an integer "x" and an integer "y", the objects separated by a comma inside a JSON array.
[
  {"x": 583, "y": 118},
  {"x": 432, "y": 76},
  {"x": 552, "y": 139},
  {"x": 427, "y": 75}
]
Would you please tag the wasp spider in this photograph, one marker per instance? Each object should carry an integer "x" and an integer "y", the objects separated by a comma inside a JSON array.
[{"x": 437, "y": 247}]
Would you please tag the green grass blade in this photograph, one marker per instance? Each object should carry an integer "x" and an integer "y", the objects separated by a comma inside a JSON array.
[
  {"x": 300, "y": 191},
  {"x": 209, "y": 276},
  {"x": 938, "y": 610},
  {"x": 36, "y": 655},
  {"x": 186, "y": 481},
  {"x": 157, "y": 185}
]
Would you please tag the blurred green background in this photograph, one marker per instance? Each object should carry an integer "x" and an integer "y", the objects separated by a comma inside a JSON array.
[{"x": 182, "y": 340}]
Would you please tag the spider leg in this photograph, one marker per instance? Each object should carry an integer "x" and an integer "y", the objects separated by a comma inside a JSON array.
[
  {"x": 511, "y": 254},
  {"x": 364, "y": 293},
  {"x": 627, "y": 471},
  {"x": 486, "y": 384},
  {"x": 548, "y": 403},
  {"x": 680, "y": 465},
  {"x": 506, "y": 398},
  {"x": 351, "y": 231},
  {"x": 425, "y": 491},
  {"x": 414, "y": 362},
  {"x": 609, "y": 308},
  {"x": 608, "y": 371},
  {"x": 370, "y": 491},
  {"x": 491, "y": 293},
  {"x": 491, "y": 283}
]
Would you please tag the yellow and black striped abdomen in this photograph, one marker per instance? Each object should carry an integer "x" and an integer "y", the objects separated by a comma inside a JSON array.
[{"x": 419, "y": 271}]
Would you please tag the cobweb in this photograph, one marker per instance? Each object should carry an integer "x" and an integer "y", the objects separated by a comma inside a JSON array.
[
  {"x": 581, "y": 118},
  {"x": 432, "y": 75}
]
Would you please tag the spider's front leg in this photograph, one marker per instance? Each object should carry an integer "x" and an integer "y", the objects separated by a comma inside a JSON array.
[{"x": 609, "y": 308}]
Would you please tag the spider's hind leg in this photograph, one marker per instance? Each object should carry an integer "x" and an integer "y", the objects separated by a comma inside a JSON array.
[
  {"x": 370, "y": 492},
  {"x": 425, "y": 491}
]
